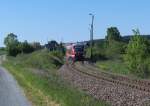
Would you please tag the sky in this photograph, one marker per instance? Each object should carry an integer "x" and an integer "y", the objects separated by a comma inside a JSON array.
[{"x": 69, "y": 20}]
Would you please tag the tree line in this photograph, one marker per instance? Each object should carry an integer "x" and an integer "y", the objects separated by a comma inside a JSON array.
[{"x": 15, "y": 47}]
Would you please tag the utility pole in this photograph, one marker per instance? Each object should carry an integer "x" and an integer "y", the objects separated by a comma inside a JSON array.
[{"x": 91, "y": 37}]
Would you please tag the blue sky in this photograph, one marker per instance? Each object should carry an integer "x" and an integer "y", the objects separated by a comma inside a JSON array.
[{"x": 68, "y": 20}]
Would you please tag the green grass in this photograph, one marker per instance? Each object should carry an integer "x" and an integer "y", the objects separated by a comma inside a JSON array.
[
  {"x": 2, "y": 52},
  {"x": 41, "y": 59},
  {"x": 48, "y": 89},
  {"x": 118, "y": 66},
  {"x": 114, "y": 66}
]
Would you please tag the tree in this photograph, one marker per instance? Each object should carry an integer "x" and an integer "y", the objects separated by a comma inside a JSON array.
[
  {"x": 113, "y": 34},
  {"x": 52, "y": 45},
  {"x": 114, "y": 45},
  {"x": 10, "y": 39},
  {"x": 137, "y": 54},
  {"x": 26, "y": 47},
  {"x": 12, "y": 44}
]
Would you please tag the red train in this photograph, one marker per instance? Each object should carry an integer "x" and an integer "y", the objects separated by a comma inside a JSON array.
[{"x": 74, "y": 52}]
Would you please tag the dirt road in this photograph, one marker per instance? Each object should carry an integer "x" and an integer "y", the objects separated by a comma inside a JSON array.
[{"x": 10, "y": 92}]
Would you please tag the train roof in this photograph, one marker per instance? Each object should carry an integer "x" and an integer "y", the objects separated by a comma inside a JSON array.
[{"x": 74, "y": 44}]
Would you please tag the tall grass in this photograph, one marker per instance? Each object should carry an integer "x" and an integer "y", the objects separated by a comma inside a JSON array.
[{"x": 114, "y": 66}]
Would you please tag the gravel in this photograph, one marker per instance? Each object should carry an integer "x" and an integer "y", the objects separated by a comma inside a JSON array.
[{"x": 116, "y": 95}]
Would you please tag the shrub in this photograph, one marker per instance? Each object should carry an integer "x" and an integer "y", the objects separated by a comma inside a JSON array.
[
  {"x": 114, "y": 49},
  {"x": 137, "y": 55}
]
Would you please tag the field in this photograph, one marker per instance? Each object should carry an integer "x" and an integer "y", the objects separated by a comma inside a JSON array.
[{"x": 37, "y": 75}]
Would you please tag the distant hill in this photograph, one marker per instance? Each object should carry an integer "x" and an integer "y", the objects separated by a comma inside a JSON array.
[{"x": 126, "y": 38}]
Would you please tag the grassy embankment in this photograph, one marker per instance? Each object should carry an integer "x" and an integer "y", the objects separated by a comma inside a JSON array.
[
  {"x": 114, "y": 66},
  {"x": 37, "y": 75},
  {"x": 117, "y": 66}
]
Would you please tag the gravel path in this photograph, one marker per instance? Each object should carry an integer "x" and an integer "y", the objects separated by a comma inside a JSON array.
[
  {"x": 10, "y": 92},
  {"x": 116, "y": 95}
]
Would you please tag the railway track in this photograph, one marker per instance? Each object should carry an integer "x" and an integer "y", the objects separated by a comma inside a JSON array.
[
  {"x": 140, "y": 82},
  {"x": 91, "y": 71}
]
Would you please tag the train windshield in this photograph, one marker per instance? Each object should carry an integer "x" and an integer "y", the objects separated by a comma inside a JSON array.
[{"x": 79, "y": 48}]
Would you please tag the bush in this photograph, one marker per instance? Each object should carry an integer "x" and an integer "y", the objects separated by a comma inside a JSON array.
[
  {"x": 14, "y": 50},
  {"x": 114, "y": 49},
  {"x": 104, "y": 50},
  {"x": 137, "y": 55},
  {"x": 42, "y": 59},
  {"x": 97, "y": 55},
  {"x": 98, "y": 51}
]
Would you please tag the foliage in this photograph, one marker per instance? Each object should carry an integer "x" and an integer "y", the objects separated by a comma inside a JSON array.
[
  {"x": 113, "y": 34},
  {"x": 14, "y": 47},
  {"x": 11, "y": 39},
  {"x": 26, "y": 47},
  {"x": 137, "y": 54},
  {"x": 12, "y": 44},
  {"x": 115, "y": 49},
  {"x": 42, "y": 59},
  {"x": 114, "y": 44},
  {"x": 104, "y": 50},
  {"x": 98, "y": 51}
]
